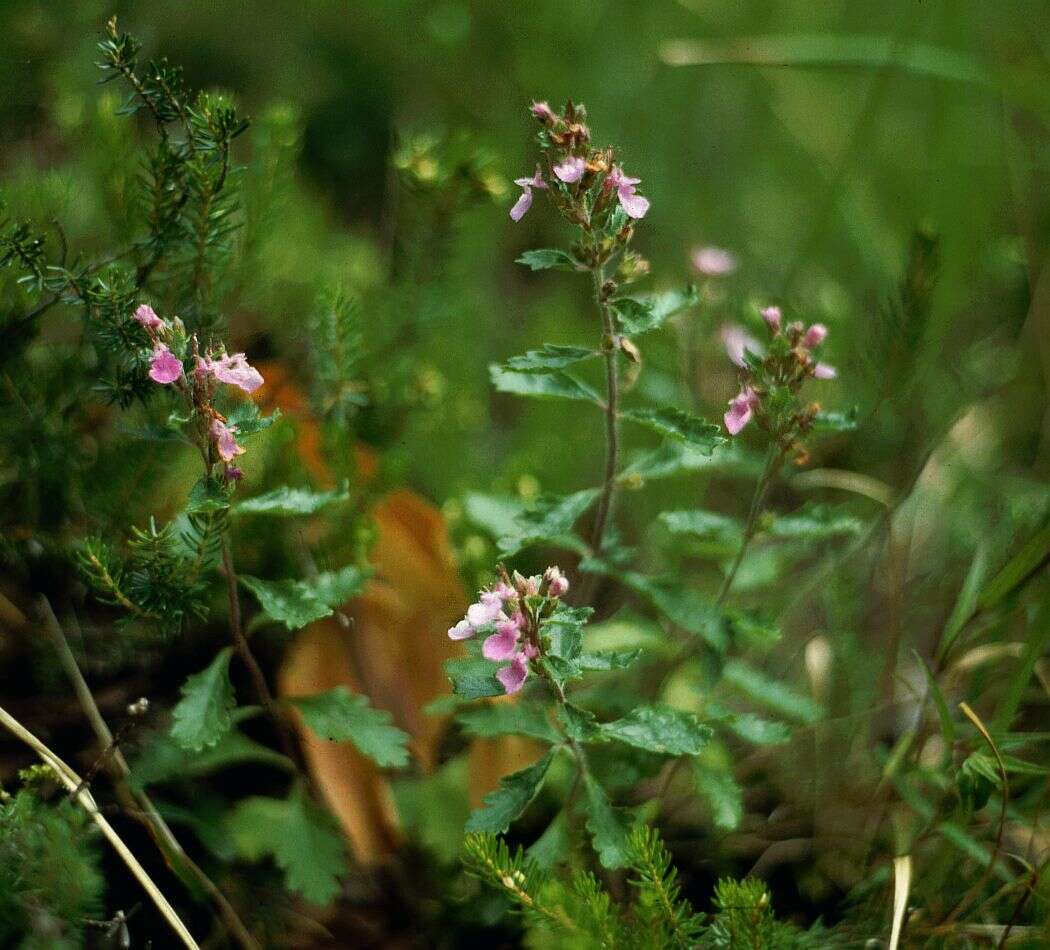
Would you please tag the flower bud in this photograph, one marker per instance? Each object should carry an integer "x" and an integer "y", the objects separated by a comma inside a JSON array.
[
  {"x": 772, "y": 317},
  {"x": 630, "y": 350},
  {"x": 815, "y": 335}
]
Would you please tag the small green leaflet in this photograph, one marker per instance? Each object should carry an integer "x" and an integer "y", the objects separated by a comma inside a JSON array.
[
  {"x": 548, "y": 259},
  {"x": 202, "y": 717},
  {"x": 565, "y": 631},
  {"x": 249, "y": 420},
  {"x": 473, "y": 678},
  {"x": 660, "y": 729},
  {"x": 640, "y": 315},
  {"x": 552, "y": 356},
  {"x": 286, "y": 501},
  {"x": 835, "y": 421},
  {"x": 608, "y": 826},
  {"x": 295, "y": 603},
  {"x": 678, "y": 424},
  {"x": 555, "y": 385},
  {"x": 549, "y": 519},
  {"x": 207, "y": 496},
  {"x": 770, "y": 692},
  {"x": 704, "y": 524},
  {"x": 722, "y": 793},
  {"x": 512, "y": 797},
  {"x": 340, "y": 716},
  {"x": 305, "y": 842},
  {"x": 523, "y": 718}
]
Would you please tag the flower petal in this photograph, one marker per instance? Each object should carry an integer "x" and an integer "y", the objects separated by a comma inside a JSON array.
[
  {"x": 148, "y": 317},
  {"x": 503, "y": 644},
  {"x": 164, "y": 367},
  {"x": 461, "y": 631},
  {"x": 513, "y": 677},
  {"x": 521, "y": 205},
  {"x": 571, "y": 170},
  {"x": 635, "y": 205}
]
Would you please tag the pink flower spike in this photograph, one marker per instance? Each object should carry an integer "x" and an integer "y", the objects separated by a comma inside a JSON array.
[
  {"x": 235, "y": 371},
  {"x": 503, "y": 644},
  {"x": 461, "y": 631},
  {"x": 571, "y": 170},
  {"x": 543, "y": 112},
  {"x": 148, "y": 318},
  {"x": 772, "y": 317},
  {"x": 225, "y": 437},
  {"x": 635, "y": 205},
  {"x": 513, "y": 677},
  {"x": 736, "y": 341},
  {"x": 165, "y": 367},
  {"x": 714, "y": 261},
  {"x": 815, "y": 335},
  {"x": 740, "y": 410},
  {"x": 823, "y": 371}
]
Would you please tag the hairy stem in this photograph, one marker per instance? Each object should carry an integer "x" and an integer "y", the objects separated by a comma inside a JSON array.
[
  {"x": 137, "y": 802},
  {"x": 612, "y": 409}
]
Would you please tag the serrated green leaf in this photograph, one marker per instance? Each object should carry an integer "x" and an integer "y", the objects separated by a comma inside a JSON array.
[
  {"x": 286, "y": 501},
  {"x": 162, "y": 759},
  {"x": 551, "y": 356},
  {"x": 341, "y": 716},
  {"x": 609, "y": 827},
  {"x": 473, "y": 678},
  {"x": 770, "y": 692},
  {"x": 337, "y": 587},
  {"x": 579, "y": 723},
  {"x": 565, "y": 631},
  {"x": 678, "y": 424},
  {"x": 549, "y": 259},
  {"x": 207, "y": 495},
  {"x": 608, "y": 659},
  {"x": 639, "y": 315},
  {"x": 676, "y": 458},
  {"x": 305, "y": 842},
  {"x": 549, "y": 519},
  {"x": 522, "y": 718},
  {"x": 722, "y": 793},
  {"x": 249, "y": 420},
  {"x": 660, "y": 729},
  {"x": 556, "y": 385},
  {"x": 502, "y": 806},
  {"x": 203, "y": 715},
  {"x": 295, "y": 603}
]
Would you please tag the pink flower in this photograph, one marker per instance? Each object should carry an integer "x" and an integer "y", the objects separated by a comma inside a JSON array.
[
  {"x": 164, "y": 367},
  {"x": 225, "y": 438},
  {"x": 525, "y": 201},
  {"x": 543, "y": 112},
  {"x": 571, "y": 170},
  {"x": 740, "y": 410},
  {"x": 503, "y": 644},
  {"x": 232, "y": 473},
  {"x": 233, "y": 370},
  {"x": 513, "y": 677},
  {"x": 772, "y": 317},
  {"x": 815, "y": 335},
  {"x": 557, "y": 583},
  {"x": 714, "y": 261},
  {"x": 489, "y": 607},
  {"x": 635, "y": 205},
  {"x": 736, "y": 340},
  {"x": 148, "y": 318},
  {"x": 823, "y": 371},
  {"x": 461, "y": 631}
]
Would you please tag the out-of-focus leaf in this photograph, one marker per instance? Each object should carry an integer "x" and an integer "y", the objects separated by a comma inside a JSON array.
[
  {"x": 522, "y": 718},
  {"x": 835, "y": 421},
  {"x": 337, "y": 587},
  {"x": 474, "y": 678},
  {"x": 660, "y": 729},
  {"x": 553, "y": 846},
  {"x": 721, "y": 791},
  {"x": 1035, "y": 551},
  {"x": 207, "y": 496},
  {"x": 549, "y": 259},
  {"x": 249, "y": 420},
  {"x": 813, "y": 523},
  {"x": 339, "y": 716},
  {"x": 286, "y": 501},
  {"x": 556, "y": 385},
  {"x": 203, "y": 715},
  {"x": 604, "y": 660},
  {"x": 704, "y": 524},
  {"x": 497, "y": 514},
  {"x": 677, "y": 458},
  {"x": 163, "y": 760},
  {"x": 609, "y": 827},
  {"x": 551, "y": 356},
  {"x": 749, "y": 727},
  {"x": 678, "y": 424},
  {"x": 769, "y": 692},
  {"x": 1035, "y": 645},
  {"x": 549, "y": 519},
  {"x": 966, "y": 603},
  {"x": 304, "y": 841},
  {"x": 512, "y": 797}
]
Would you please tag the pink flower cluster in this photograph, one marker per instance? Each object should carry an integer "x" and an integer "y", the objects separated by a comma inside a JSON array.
[{"x": 501, "y": 606}]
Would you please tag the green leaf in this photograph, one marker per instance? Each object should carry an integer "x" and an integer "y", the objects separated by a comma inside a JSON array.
[
  {"x": 305, "y": 842},
  {"x": 207, "y": 496},
  {"x": 286, "y": 501},
  {"x": 769, "y": 692},
  {"x": 522, "y": 718},
  {"x": 295, "y": 603},
  {"x": 549, "y": 259},
  {"x": 749, "y": 727},
  {"x": 162, "y": 759},
  {"x": 704, "y": 524},
  {"x": 341, "y": 716},
  {"x": 608, "y": 659},
  {"x": 814, "y": 523},
  {"x": 549, "y": 519},
  {"x": 833, "y": 421},
  {"x": 677, "y": 458},
  {"x": 660, "y": 729},
  {"x": 1018, "y": 568},
  {"x": 512, "y": 797},
  {"x": 565, "y": 631},
  {"x": 203, "y": 715},
  {"x": 473, "y": 678},
  {"x": 966, "y": 603},
  {"x": 541, "y": 385},
  {"x": 640, "y": 315},
  {"x": 337, "y": 587},
  {"x": 553, "y": 846},
  {"x": 580, "y": 724},
  {"x": 496, "y": 514},
  {"x": 678, "y": 424},
  {"x": 609, "y": 827},
  {"x": 552, "y": 356},
  {"x": 722, "y": 793},
  {"x": 249, "y": 420}
]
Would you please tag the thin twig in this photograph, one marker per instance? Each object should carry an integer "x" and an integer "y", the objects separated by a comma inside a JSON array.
[
  {"x": 71, "y": 781},
  {"x": 130, "y": 797}
]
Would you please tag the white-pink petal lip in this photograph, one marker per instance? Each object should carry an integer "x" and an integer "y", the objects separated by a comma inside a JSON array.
[
  {"x": 571, "y": 170},
  {"x": 461, "y": 631}
]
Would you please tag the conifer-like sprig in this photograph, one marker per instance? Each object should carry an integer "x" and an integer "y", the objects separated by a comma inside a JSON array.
[{"x": 660, "y": 909}]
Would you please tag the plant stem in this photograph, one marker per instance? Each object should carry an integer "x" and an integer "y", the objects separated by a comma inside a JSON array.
[
  {"x": 774, "y": 457},
  {"x": 73, "y": 783},
  {"x": 137, "y": 800},
  {"x": 612, "y": 408}
]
